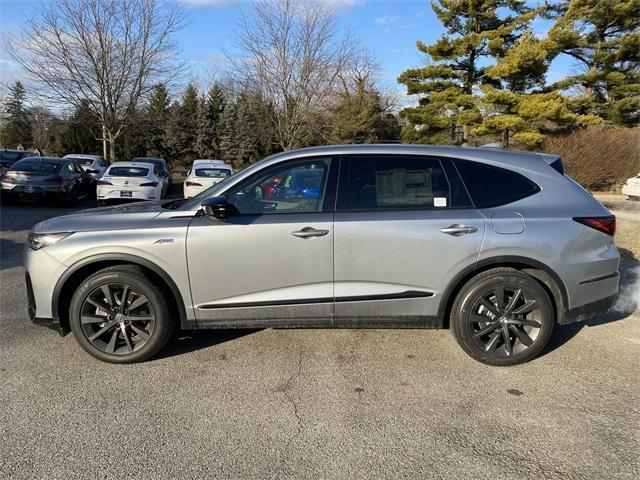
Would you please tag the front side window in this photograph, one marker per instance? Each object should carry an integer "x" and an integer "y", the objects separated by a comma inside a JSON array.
[
  {"x": 397, "y": 182},
  {"x": 295, "y": 187}
]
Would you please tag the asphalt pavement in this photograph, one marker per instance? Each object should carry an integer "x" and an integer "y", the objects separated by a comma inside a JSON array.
[{"x": 326, "y": 404}]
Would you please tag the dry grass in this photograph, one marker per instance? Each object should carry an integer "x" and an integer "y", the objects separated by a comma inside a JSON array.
[{"x": 598, "y": 158}]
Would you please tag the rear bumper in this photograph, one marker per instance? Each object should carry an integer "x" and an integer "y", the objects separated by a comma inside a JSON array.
[
  {"x": 144, "y": 193},
  {"x": 631, "y": 190},
  {"x": 589, "y": 310}
]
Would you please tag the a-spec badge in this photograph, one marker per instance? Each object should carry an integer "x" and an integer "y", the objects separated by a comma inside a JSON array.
[{"x": 162, "y": 241}]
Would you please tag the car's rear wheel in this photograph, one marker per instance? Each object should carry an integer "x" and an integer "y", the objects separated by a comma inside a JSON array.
[
  {"x": 118, "y": 315},
  {"x": 502, "y": 317},
  {"x": 72, "y": 198}
]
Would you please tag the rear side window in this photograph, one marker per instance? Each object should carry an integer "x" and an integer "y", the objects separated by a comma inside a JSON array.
[
  {"x": 380, "y": 182},
  {"x": 491, "y": 186},
  {"x": 128, "y": 172}
]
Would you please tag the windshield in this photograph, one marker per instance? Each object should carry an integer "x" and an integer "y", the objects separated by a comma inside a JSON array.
[
  {"x": 13, "y": 156},
  {"x": 155, "y": 161},
  {"x": 128, "y": 172},
  {"x": 82, "y": 161},
  {"x": 212, "y": 172},
  {"x": 36, "y": 167}
]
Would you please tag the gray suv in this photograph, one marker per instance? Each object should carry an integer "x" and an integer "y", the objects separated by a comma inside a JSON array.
[{"x": 499, "y": 246}]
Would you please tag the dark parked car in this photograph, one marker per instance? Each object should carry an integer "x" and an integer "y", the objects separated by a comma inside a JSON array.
[
  {"x": 38, "y": 178},
  {"x": 9, "y": 157}
]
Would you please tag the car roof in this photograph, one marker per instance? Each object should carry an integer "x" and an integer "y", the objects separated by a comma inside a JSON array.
[
  {"x": 141, "y": 159},
  {"x": 488, "y": 155},
  {"x": 45, "y": 159},
  {"x": 133, "y": 164},
  {"x": 209, "y": 161},
  {"x": 83, "y": 156}
]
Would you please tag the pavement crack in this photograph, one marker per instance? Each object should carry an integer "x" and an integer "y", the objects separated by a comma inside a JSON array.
[{"x": 286, "y": 389}]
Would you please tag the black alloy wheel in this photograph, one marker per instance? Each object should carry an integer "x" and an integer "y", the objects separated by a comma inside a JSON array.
[
  {"x": 120, "y": 315},
  {"x": 503, "y": 317}
]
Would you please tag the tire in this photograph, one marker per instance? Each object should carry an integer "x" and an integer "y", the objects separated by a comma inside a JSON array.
[
  {"x": 509, "y": 332},
  {"x": 72, "y": 198},
  {"x": 117, "y": 334}
]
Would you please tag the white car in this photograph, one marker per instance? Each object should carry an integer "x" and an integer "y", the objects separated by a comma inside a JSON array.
[
  {"x": 130, "y": 181},
  {"x": 632, "y": 188},
  {"x": 204, "y": 174},
  {"x": 94, "y": 165}
]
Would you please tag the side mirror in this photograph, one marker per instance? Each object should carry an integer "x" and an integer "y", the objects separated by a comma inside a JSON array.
[{"x": 218, "y": 207}]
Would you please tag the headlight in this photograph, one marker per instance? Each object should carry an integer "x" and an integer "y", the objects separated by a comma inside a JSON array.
[{"x": 36, "y": 241}]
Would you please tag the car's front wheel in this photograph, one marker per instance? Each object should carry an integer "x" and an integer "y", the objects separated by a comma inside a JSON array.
[
  {"x": 118, "y": 315},
  {"x": 502, "y": 317}
]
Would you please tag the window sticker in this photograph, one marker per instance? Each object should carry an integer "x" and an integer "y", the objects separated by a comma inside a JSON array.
[{"x": 440, "y": 201}]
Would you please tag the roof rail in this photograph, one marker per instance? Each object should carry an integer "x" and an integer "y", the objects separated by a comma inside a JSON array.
[{"x": 492, "y": 145}]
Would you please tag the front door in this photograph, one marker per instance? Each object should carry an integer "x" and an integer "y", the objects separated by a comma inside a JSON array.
[
  {"x": 403, "y": 229},
  {"x": 274, "y": 260}
]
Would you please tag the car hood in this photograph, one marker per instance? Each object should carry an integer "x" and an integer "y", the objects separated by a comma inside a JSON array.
[{"x": 104, "y": 218}]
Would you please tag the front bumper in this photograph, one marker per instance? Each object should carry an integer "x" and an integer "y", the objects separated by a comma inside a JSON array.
[{"x": 52, "y": 323}]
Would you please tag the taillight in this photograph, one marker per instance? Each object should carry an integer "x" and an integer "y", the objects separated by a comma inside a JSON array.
[
  {"x": 7, "y": 178},
  {"x": 103, "y": 182},
  {"x": 603, "y": 224},
  {"x": 149, "y": 184},
  {"x": 193, "y": 184},
  {"x": 57, "y": 180}
]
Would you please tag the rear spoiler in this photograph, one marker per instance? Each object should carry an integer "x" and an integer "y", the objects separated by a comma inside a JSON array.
[{"x": 554, "y": 161}]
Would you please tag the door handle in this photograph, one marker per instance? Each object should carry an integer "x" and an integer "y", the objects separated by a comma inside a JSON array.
[
  {"x": 309, "y": 232},
  {"x": 456, "y": 230}
]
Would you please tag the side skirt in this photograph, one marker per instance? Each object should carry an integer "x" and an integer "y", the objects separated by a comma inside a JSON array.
[{"x": 350, "y": 322}]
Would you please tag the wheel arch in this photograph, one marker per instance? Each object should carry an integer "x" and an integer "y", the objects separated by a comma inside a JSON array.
[
  {"x": 71, "y": 279},
  {"x": 545, "y": 275}
]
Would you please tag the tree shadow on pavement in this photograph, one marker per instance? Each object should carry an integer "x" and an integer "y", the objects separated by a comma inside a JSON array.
[{"x": 186, "y": 341}]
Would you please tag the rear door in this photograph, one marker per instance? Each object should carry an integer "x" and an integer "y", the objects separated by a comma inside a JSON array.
[{"x": 404, "y": 227}]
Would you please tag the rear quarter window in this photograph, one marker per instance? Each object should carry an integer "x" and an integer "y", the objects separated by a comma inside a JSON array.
[{"x": 491, "y": 186}]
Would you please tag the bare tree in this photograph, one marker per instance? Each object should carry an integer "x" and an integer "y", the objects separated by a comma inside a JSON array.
[
  {"x": 109, "y": 52},
  {"x": 292, "y": 52}
]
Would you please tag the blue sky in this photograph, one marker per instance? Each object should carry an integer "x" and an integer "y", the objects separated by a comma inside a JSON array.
[{"x": 389, "y": 28}]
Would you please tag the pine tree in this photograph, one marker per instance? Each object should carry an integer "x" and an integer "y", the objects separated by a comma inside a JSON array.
[
  {"x": 518, "y": 108},
  {"x": 359, "y": 116},
  {"x": 603, "y": 37},
  {"x": 157, "y": 118},
  {"x": 81, "y": 132},
  {"x": 228, "y": 135},
  {"x": 476, "y": 30},
  {"x": 210, "y": 110},
  {"x": 17, "y": 129},
  {"x": 180, "y": 134}
]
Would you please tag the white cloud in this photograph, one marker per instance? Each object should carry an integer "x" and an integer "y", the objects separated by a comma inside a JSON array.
[{"x": 387, "y": 19}]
